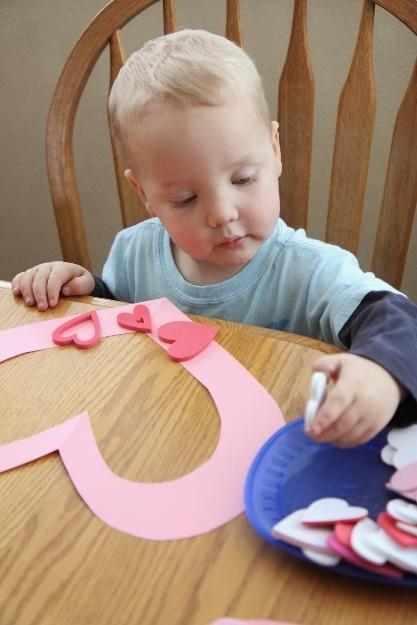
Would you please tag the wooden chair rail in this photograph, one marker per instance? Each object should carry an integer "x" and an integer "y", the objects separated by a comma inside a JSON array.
[{"x": 352, "y": 147}]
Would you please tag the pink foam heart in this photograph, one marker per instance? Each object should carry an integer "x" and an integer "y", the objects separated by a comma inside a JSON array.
[
  {"x": 402, "y": 538},
  {"x": 349, "y": 555},
  {"x": 405, "y": 479},
  {"x": 60, "y": 336},
  {"x": 343, "y": 532},
  {"x": 139, "y": 320},
  {"x": 187, "y": 337},
  {"x": 330, "y": 510}
]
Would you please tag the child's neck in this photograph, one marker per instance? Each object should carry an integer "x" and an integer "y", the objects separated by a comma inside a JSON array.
[{"x": 201, "y": 273}]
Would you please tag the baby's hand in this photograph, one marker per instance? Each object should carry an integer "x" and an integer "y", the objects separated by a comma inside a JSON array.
[
  {"x": 41, "y": 285},
  {"x": 362, "y": 401}
]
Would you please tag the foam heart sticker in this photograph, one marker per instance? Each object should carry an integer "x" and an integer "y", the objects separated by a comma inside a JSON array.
[
  {"x": 60, "y": 336},
  {"x": 404, "y": 558},
  {"x": 387, "y": 455},
  {"x": 291, "y": 530},
  {"x": 139, "y": 319},
  {"x": 402, "y": 511},
  {"x": 406, "y": 527},
  {"x": 402, "y": 538},
  {"x": 330, "y": 510},
  {"x": 405, "y": 479},
  {"x": 353, "y": 558},
  {"x": 343, "y": 532},
  {"x": 361, "y": 544},
  {"x": 404, "y": 441},
  {"x": 188, "y": 338},
  {"x": 321, "y": 558}
]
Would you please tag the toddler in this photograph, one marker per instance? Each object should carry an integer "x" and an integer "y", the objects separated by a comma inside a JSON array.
[{"x": 190, "y": 115}]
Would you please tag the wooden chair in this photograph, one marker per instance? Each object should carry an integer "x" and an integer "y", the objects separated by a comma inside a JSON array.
[{"x": 355, "y": 121}]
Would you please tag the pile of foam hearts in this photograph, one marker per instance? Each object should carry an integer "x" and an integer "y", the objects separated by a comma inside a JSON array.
[
  {"x": 401, "y": 453},
  {"x": 330, "y": 529}
]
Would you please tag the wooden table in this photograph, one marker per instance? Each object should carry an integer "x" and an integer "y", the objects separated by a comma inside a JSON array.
[{"x": 61, "y": 565}]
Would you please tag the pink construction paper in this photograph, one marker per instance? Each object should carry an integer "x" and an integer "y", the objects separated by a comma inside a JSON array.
[{"x": 193, "y": 504}]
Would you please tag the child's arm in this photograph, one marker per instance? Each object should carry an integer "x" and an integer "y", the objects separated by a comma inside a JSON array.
[
  {"x": 371, "y": 380},
  {"x": 42, "y": 285}
]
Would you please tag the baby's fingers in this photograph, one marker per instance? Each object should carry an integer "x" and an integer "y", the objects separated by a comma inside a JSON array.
[
  {"x": 334, "y": 418},
  {"x": 25, "y": 285},
  {"x": 40, "y": 286},
  {"x": 16, "y": 284}
]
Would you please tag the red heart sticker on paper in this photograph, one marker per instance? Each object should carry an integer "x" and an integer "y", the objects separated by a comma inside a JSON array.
[
  {"x": 59, "y": 337},
  {"x": 188, "y": 337},
  {"x": 139, "y": 320}
]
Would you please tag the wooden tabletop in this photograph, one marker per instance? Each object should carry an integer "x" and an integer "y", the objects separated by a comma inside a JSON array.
[{"x": 60, "y": 565}]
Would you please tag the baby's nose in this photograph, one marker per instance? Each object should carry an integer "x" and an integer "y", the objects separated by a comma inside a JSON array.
[{"x": 222, "y": 211}]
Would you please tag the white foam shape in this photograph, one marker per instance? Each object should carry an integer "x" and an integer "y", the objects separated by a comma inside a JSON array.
[
  {"x": 331, "y": 510},
  {"x": 321, "y": 558},
  {"x": 292, "y": 531},
  {"x": 406, "y": 527},
  {"x": 402, "y": 511},
  {"x": 317, "y": 395},
  {"x": 310, "y": 412},
  {"x": 404, "y": 441},
  {"x": 405, "y": 558},
  {"x": 360, "y": 541},
  {"x": 387, "y": 455}
]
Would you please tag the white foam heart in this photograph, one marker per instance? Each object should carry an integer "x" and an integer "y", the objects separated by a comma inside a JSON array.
[
  {"x": 404, "y": 441},
  {"x": 387, "y": 455},
  {"x": 330, "y": 510},
  {"x": 406, "y": 527},
  {"x": 292, "y": 531},
  {"x": 361, "y": 544},
  {"x": 321, "y": 558},
  {"x": 405, "y": 558},
  {"x": 402, "y": 510}
]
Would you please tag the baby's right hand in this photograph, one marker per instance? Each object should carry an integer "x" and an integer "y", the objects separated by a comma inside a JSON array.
[{"x": 41, "y": 285}]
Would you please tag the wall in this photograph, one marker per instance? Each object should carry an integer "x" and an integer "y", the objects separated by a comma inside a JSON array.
[{"x": 35, "y": 38}]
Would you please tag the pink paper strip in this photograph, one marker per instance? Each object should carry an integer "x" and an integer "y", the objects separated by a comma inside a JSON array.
[{"x": 204, "y": 499}]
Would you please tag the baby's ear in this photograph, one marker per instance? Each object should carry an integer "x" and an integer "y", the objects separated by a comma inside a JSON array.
[
  {"x": 276, "y": 146},
  {"x": 132, "y": 180}
]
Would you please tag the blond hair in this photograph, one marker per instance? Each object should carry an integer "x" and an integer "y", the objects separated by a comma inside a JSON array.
[{"x": 188, "y": 67}]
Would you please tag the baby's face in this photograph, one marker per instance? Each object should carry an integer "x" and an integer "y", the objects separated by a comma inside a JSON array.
[{"x": 210, "y": 173}]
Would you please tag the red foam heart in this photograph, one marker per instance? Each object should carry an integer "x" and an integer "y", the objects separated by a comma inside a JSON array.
[
  {"x": 139, "y": 320},
  {"x": 343, "y": 532},
  {"x": 59, "y": 337},
  {"x": 188, "y": 337},
  {"x": 402, "y": 538}
]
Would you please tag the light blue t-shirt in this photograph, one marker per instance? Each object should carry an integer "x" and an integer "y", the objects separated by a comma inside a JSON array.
[{"x": 293, "y": 283}]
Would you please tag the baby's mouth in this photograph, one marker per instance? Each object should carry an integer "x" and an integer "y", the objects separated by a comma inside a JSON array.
[{"x": 233, "y": 242}]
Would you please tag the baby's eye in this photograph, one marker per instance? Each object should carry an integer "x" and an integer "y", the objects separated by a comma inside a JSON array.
[
  {"x": 185, "y": 201},
  {"x": 243, "y": 180}
]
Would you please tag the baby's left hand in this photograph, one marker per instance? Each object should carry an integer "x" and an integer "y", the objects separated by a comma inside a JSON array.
[{"x": 362, "y": 401}]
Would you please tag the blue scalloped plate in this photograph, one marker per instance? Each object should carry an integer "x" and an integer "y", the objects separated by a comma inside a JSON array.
[{"x": 291, "y": 471}]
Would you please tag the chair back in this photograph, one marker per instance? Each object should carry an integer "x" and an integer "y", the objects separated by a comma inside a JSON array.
[{"x": 352, "y": 145}]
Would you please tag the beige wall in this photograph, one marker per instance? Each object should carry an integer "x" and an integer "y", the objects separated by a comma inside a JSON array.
[{"x": 35, "y": 38}]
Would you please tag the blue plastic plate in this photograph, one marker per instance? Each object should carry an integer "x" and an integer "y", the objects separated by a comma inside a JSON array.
[{"x": 291, "y": 471}]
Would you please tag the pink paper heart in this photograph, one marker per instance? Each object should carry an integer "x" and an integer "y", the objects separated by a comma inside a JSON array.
[
  {"x": 187, "y": 337},
  {"x": 330, "y": 510},
  {"x": 139, "y": 320},
  {"x": 60, "y": 338}
]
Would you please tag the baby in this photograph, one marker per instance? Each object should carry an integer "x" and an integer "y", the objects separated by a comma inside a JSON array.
[{"x": 191, "y": 117}]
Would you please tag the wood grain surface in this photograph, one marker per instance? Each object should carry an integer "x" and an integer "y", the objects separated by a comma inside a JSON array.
[{"x": 60, "y": 565}]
